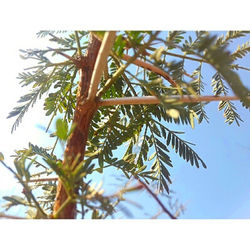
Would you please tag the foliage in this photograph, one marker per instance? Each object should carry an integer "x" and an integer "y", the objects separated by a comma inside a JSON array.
[
  {"x": 230, "y": 110},
  {"x": 140, "y": 131}
]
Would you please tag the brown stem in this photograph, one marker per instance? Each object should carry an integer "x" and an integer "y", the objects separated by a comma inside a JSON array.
[
  {"x": 152, "y": 68},
  {"x": 6, "y": 216},
  {"x": 156, "y": 198},
  {"x": 64, "y": 55},
  {"x": 83, "y": 115}
]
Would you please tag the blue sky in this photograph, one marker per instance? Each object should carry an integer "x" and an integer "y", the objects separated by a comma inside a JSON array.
[{"x": 220, "y": 191}]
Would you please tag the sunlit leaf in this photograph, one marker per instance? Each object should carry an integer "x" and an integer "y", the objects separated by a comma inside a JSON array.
[{"x": 62, "y": 129}]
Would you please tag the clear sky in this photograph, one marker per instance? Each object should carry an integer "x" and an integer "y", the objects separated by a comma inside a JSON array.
[{"x": 220, "y": 191}]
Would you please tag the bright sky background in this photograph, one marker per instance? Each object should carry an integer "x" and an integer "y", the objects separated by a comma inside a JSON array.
[{"x": 221, "y": 191}]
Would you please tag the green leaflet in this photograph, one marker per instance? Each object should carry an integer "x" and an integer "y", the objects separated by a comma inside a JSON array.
[
  {"x": 230, "y": 36},
  {"x": 19, "y": 111},
  {"x": 229, "y": 109},
  {"x": 241, "y": 51},
  {"x": 182, "y": 147},
  {"x": 62, "y": 129}
]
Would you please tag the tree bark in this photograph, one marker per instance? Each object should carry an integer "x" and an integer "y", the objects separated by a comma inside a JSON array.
[{"x": 83, "y": 115}]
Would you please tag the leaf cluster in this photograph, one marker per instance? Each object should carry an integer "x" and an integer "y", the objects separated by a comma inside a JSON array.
[
  {"x": 45, "y": 75},
  {"x": 229, "y": 108}
]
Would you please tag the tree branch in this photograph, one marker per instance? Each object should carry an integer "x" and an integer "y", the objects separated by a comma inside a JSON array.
[
  {"x": 156, "y": 198},
  {"x": 100, "y": 63},
  {"x": 76, "y": 143},
  {"x": 178, "y": 55},
  {"x": 152, "y": 68},
  {"x": 44, "y": 179},
  {"x": 66, "y": 56},
  {"x": 50, "y": 65},
  {"x": 2, "y": 215},
  {"x": 78, "y": 44},
  {"x": 155, "y": 100}
]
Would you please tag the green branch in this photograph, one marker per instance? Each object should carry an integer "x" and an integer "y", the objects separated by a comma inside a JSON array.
[{"x": 78, "y": 44}]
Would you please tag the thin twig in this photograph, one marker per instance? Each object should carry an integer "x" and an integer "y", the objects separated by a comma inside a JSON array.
[
  {"x": 76, "y": 62},
  {"x": 152, "y": 68},
  {"x": 156, "y": 215},
  {"x": 53, "y": 149},
  {"x": 155, "y": 100},
  {"x": 186, "y": 57},
  {"x": 178, "y": 55},
  {"x": 241, "y": 67},
  {"x": 100, "y": 63},
  {"x": 6, "y": 216},
  {"x": 44, "y": 179},
  {"x": 78, "y": 44},
  {"x": 156, "y": 198},
  {"x": 173, "y": 54},
  {"x": 125, "y": 190},
  {"x": 106, "y": 71}
]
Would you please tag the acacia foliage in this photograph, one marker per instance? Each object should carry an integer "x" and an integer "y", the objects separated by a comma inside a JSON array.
[{"x": 142, "y": 128}]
